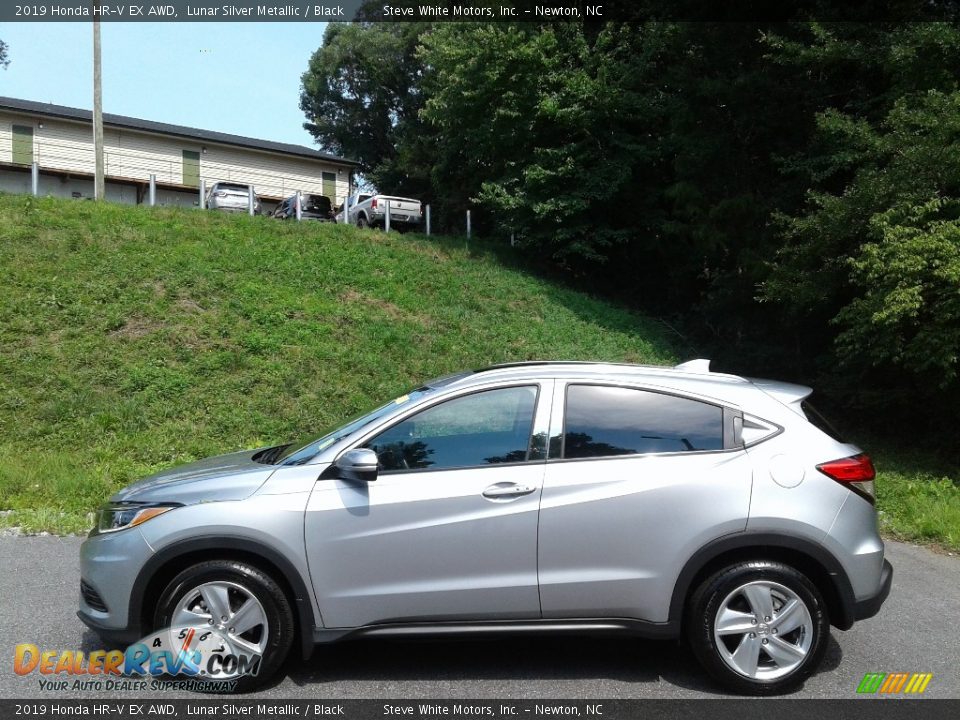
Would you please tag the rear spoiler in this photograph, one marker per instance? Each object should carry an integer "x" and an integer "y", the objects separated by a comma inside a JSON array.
[{"x": 789, "y": 394}]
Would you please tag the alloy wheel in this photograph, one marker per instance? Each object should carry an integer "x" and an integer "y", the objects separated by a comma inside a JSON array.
[
  {"x": 763, "y": 630},
  {"x": 229, "y": 609}
]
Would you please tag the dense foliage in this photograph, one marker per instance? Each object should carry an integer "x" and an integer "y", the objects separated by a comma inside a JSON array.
[{"x": 790, "y": 191}]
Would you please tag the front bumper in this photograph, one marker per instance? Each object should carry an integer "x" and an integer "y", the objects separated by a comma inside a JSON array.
[
  {"x": 868, "y": 607},
  {"x": 109, "y": 564},
  {"x": 111, "y": 636}
]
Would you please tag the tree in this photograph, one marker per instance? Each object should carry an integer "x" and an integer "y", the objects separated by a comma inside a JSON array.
[
  {"x": 4, "y": 56},
  {"x": 691, "y": 169},
  {"x": 880, "y": 257},
  {"x": 361, "y": 98},
  {"x": 540, "y": 125},
  {"x": 867, "y": 274}
]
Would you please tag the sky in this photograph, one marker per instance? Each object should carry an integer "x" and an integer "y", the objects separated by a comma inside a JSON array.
[{"x": 239, "y": 78}]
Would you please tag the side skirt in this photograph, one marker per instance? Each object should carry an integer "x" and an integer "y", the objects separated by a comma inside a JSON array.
[{"x": 592, "y": 627}]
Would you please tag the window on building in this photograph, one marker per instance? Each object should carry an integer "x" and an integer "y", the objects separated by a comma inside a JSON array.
[
  {"x": 22, "y": 145},
  {"x": 191, "y": 168},
  {"x": 329, "y": 180}
]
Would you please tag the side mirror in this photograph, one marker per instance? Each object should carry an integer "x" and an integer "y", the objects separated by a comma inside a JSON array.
[{"x": 359, "y": 464}]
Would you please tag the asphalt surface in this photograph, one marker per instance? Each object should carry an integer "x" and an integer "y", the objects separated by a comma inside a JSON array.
[{"x": 916, "y": 631}]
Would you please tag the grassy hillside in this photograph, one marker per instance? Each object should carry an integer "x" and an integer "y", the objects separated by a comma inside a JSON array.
[
  {"x": 132, "y": 339},
  {"x": 135, "y": 338}
]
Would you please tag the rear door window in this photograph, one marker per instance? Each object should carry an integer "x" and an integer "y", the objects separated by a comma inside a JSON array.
[{"x": 605, "y": 421}]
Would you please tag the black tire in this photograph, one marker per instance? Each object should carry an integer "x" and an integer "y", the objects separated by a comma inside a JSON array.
[
  {"x": 276, "y": 606},
  {"x": 724, "y": 586},
  {"x": 362, "y": 221}
]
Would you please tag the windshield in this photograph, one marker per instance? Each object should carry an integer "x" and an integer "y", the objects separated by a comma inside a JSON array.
[{"x": 298, "y": 453}]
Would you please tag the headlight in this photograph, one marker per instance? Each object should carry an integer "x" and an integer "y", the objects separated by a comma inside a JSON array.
[{"x": 117, "y": 516}]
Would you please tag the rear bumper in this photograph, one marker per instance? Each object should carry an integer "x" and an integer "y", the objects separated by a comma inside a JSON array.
[
  {"x": 397, "y": 219},
  {"x": 868, "y": 607}
]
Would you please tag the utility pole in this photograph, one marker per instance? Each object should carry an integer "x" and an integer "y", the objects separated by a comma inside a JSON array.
[{"x": 98, "y": 189}]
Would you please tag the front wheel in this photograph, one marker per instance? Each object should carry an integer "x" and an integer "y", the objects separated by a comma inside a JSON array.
[
  {"x": 241, "y": 620},
  {"x": 758, "y": 627}
]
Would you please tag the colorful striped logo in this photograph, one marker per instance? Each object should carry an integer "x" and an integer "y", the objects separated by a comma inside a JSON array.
[{"x": 892, "y": 683}]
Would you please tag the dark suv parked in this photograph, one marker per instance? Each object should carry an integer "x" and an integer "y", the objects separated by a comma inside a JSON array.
[{"x": 313, "y": 207}]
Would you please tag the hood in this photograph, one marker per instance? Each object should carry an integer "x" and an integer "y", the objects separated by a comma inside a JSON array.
[{"x": 225, "y": 477}]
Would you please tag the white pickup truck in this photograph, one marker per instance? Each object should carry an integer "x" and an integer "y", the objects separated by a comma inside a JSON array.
[{"x": 371, "y": 211}]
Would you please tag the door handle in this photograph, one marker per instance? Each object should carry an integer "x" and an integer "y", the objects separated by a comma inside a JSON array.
[{"x": 510, "y": 490}]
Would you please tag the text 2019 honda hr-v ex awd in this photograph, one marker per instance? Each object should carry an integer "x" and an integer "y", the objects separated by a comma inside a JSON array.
[{"x": 523, "y": 498}]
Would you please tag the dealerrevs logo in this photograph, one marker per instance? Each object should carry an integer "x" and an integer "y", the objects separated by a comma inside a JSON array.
[
  {"x": 188, "y": 652},
  {"x": 895, "y": 683}
]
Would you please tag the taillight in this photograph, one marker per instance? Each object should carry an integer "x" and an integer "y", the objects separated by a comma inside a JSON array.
[
  {"x": 856, "y": 472},
  {"x": 373, "y": 203}
]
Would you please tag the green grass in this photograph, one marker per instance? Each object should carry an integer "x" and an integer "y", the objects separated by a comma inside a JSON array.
[
  {"x": 132, "y": 339},
  {"x": 918, "y": 496}
]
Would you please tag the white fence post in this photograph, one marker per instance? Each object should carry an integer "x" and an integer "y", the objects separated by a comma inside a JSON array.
[
  {"x": 203, "y": 194},
  {"x": 346, "y": 210},
  {"x": 299, "y": 202},
  {"x": 35, "y": 179},
  {"x": 153, "y": 190},
  {"x": 386, "y": 222},
  {"x": 468, "y": 226},
  {"x": 428, "y": 220},
  {"x": 250, "y": 200}
]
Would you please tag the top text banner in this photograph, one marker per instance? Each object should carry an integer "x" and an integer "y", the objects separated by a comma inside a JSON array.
[{"x": 478, "y": 11}]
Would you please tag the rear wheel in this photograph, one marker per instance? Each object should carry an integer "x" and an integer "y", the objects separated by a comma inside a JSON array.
[
  {"x": 362, "y": 222},
  {"x": 236, "y": 609},
  {"x": 759, "y": 627}
]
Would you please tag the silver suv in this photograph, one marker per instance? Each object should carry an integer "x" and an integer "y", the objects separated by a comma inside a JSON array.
[
  {"x": 522, "y": 498},
  {"x": 232, "y": 197}
]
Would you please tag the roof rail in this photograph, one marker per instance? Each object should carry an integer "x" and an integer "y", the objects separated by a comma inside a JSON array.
[
  {"x": 519, "y": 363},
  {"x": 528, "y": 363}
]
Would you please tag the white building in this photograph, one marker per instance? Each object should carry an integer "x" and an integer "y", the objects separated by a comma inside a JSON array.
[{"x": 60, "y": 140}]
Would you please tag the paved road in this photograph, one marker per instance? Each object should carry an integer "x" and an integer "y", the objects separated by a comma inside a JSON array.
[{"x": 917, "y": 630}]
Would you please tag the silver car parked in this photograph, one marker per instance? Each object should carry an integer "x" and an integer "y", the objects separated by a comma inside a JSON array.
[
  {"x": 232, "y": 197},
  {"x": 521, "y": 498}
]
